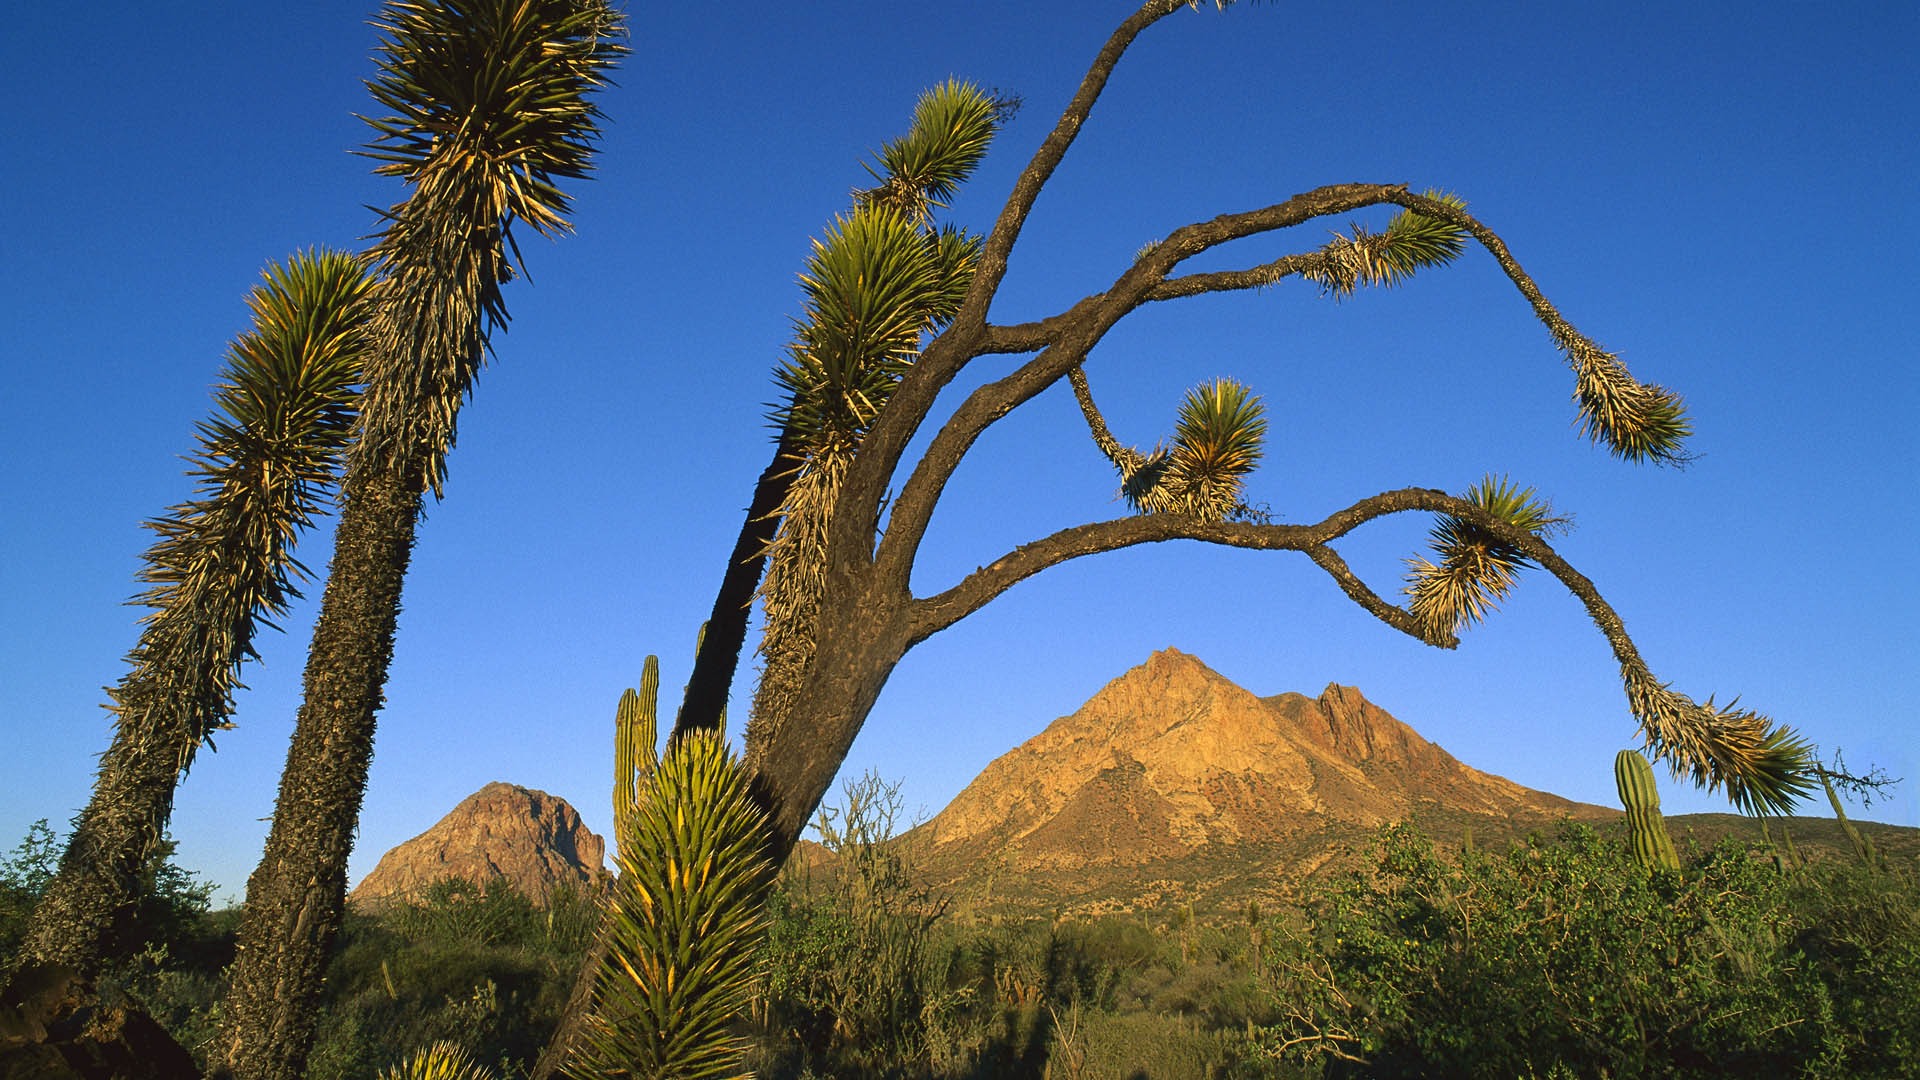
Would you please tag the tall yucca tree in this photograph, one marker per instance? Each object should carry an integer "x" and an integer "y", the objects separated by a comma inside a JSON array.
[
  {"x": 882, "y": 278},
  {"x": 223, "y": 566},
  {"x": 489, "y": 107}
]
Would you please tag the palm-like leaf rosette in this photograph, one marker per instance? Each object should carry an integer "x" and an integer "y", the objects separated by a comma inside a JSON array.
[
  {"x": 1475, "y": 570},
  {"x": 1410, "y": 242},
  {"x": 1219, "y": 437},
  {"x": 439, "y": 1061}
]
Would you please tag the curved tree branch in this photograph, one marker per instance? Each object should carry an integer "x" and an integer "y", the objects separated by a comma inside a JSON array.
[{"x": 937, "y": 612}]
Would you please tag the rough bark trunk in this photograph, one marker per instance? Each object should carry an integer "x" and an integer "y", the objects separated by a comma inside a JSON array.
[
  {"x": 83, "y": 918},
  {"x": 800, "y": 750},
  {"x": 296, "y": 895}
]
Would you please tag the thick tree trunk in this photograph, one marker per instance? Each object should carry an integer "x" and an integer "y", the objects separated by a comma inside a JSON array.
[
  {"x": 796, "y": 754},
  {"x": 296, "y": 895},
  {"x": 82, "y": 920}
]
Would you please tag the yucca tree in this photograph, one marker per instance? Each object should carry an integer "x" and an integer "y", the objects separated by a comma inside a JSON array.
[
  {"x": 489, "y": 106},
  {"x": 223, "y": 566},
  {"x": 863, "y": 615},
  {"x": 883, "y": 277}
]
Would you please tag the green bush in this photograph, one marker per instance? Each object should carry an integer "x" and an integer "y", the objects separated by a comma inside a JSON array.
[
  {"x": 1564, "y": 957},
  {"x": 477, "y": 966}
]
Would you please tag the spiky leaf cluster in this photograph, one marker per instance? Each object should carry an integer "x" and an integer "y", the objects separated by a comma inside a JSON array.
[
  {"x": 688, "y": 916},
  {"x": 1636, "y": 421},
  {"x": 875, "y": 284},
  {"x": 1219, "y": 435},
  {"x": 440, "y": 1061},
  {"x": 268, "y": 457},
  {"x": 491, "y": 106},
  {"x": 1475, "y": 570},
  {"x": 953, "y": 125},
  {"x": 1410, "y": 242},
  {"x": 1766, "y": 768}
]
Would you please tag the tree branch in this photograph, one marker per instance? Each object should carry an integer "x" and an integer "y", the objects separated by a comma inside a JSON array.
[
  {"x": 1073, "y": 334},
  {"x": 937, "y": 612}
]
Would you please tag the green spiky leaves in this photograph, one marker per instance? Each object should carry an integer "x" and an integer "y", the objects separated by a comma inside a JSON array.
[
  {"x": 1410, "y": 242},
  {"x": 874, "y": 285},
  {"x": 1474, "y": 570},
  {"x": 953, "y": 125},
  {"x": 1219, "y": 436},
  {"x": 688, "y": 916},
  {"x": 266, "y": 465},
  {"x": 495, "y": 96},
  {"x": 1766, "y": 768},
  {"x": 1636, "y": 421}
]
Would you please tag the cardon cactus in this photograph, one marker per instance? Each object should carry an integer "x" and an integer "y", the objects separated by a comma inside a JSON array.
[
  {"x": 1652, "y": 847},
  {"x": 636, "y": 734}
]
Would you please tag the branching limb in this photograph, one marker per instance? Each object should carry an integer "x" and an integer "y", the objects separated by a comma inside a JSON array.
[
  {"x": 1013, "y": 216},
  {"x": 1071, "y": 337},
  {"x": 1637, "y": 421},
  {"x": 940, "y": 611}
]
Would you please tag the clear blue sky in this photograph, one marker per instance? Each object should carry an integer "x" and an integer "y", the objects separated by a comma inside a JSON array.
[{"x": 1723, "y": 194}]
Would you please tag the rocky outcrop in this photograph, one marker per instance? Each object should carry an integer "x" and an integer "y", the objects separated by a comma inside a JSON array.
[
  {"x": 530, "y": 838},
  {"x": 1171, "y": 757}
]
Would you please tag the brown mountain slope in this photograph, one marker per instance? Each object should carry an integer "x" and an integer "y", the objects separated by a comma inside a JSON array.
[
  {"x": 534, "y": 840},
  {"x": 1171, "y": 757}
]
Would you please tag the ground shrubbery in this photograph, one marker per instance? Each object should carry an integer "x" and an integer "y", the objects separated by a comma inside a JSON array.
[
  {"x": 1557, "y": 957},
  {"x": 1563, "y": 957}
]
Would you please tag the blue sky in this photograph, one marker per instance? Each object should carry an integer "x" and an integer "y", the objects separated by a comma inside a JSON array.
[{"x": 1720, "y": 194}]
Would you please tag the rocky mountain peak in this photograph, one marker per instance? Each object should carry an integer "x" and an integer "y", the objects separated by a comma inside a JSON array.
[
  {"x": 532, "y": 839},
  {"x": 1172, "y": 756}
]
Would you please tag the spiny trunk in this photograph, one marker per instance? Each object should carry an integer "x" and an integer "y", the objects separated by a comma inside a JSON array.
[
  {"x": 83, "y": 918},
  {"x": 296, "y": 895}
]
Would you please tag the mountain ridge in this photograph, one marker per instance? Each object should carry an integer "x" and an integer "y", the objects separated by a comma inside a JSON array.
[{"x": 1170, "y": 757}]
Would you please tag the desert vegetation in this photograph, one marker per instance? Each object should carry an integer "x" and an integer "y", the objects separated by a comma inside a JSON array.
[
  {"x": 1555, "y": 956},
  {"x": 1575, "y": 954}
]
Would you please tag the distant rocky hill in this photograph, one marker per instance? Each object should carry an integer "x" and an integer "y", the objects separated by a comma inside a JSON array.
[
  {"x": 1171, "y": 770},
  {"x": 1172, "y": 756},
  {"x": 532, "y": 839}
]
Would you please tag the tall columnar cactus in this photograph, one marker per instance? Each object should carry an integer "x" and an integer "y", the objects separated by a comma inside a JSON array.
[
  {"x": 1652, "y": 847},
  {"x": 636, "y": 735}
]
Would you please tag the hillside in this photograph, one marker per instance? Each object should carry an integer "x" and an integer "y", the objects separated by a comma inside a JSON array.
[{"x": 1174, "y": 785}]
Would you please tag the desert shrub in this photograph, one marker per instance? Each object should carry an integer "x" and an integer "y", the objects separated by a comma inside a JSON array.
[
  {"x": 477, "y": 966},
  {"x": 23, "y": 877},
  {"x": 1564, "y": 957},
  {"x": 854, "y": 979},
  {"x": 1094, "y": 1045}
]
